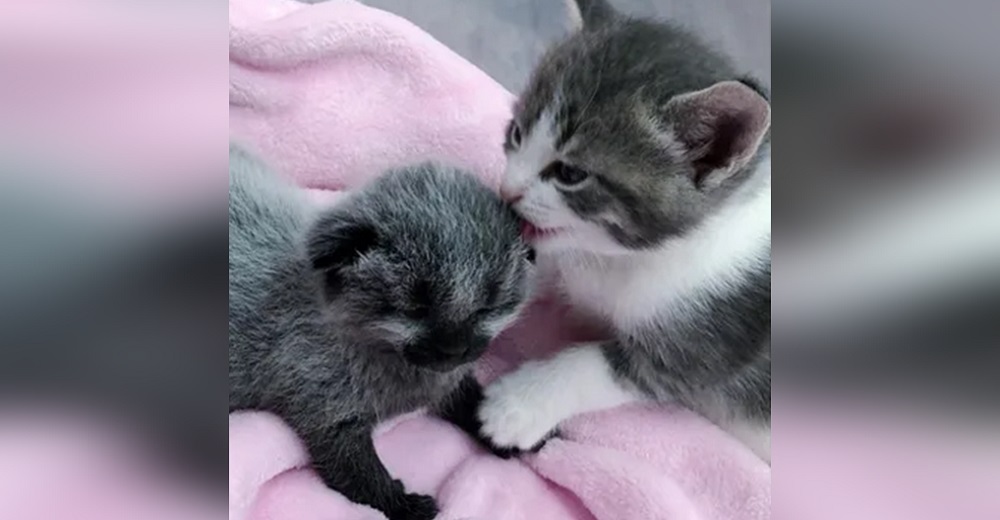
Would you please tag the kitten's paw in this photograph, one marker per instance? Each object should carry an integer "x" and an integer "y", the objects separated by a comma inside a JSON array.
[
  {"x": 414, "y": 507},
  {"x": 515, "y": 415},
  {"x": 488, "y": 444},
  {"x": 499, "y": 451}
]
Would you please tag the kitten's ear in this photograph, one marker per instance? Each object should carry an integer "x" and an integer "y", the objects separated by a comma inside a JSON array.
[
  {"x": 335, "y": 243},
  {"x": 719, "y": 129},
  {"x": 589, "y": 14}
]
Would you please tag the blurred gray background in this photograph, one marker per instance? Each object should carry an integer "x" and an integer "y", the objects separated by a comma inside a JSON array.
[{"x": 506, "y": 37}]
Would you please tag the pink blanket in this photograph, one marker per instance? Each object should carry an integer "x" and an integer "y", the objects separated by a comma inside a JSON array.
[{"x": 331, "y": 95}]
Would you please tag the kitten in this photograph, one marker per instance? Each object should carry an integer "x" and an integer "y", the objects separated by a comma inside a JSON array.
[
  {"x": 368, "y": 310},
  {"x": 640, "y": 158}
]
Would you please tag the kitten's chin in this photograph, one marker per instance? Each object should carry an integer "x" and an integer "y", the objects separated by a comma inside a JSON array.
[
  {"x": 575, "y": 242},
  {"x": 441, "y": 367},
  {"x": 433, "y": 364}
]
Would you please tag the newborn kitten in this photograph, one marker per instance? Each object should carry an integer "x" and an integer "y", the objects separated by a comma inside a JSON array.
[
  {"x": 368, "y": 310},
  {"x": 640, "y": 159}
]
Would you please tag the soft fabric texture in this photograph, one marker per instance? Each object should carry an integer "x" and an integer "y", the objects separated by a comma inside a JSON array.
[{"x": 335, "y": 93}]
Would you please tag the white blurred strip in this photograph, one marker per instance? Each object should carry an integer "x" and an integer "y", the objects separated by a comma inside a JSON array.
[{"x": 928, "y": 237}]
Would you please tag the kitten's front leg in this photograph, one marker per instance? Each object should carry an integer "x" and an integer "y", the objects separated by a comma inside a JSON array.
[
  {"x": 521, "y": 408},
  {"x": 345, "y": 458},
  {"x": 460, "y": 409}
]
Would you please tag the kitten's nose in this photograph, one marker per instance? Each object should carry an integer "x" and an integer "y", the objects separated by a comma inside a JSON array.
[{"x": 510, "y": 195}]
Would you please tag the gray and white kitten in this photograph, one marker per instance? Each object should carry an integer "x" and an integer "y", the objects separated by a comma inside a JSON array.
[
  {"x": 370, "y": 309},
  {"x": 640, "y": 157}
]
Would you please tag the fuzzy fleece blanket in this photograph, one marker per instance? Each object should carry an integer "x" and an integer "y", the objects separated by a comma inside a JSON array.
[{"x": 331, "y": 95}]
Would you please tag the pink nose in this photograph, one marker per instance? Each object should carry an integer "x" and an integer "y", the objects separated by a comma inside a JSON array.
[{"x": 509, "y": 195}]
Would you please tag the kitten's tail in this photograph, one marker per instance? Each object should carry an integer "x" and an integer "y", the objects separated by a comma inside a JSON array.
[{"x": 588, "y": 14}]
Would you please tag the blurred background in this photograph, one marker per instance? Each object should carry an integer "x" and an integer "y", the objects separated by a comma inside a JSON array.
[{"x": 506, "y": 37}]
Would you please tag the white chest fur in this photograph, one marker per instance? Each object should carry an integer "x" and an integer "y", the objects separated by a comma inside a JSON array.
[{"x": 633, "y": 289}]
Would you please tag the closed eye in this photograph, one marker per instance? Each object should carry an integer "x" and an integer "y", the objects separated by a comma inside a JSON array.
[
  {"x": 418, "y": 313},
  {"x": 494, "y": 326},
  {"x": 402, "y": 330},
  {"x": 500, "y": 311}
]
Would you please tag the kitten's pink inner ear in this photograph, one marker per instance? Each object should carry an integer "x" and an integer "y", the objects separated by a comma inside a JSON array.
[{"x": 720, "y": 128}]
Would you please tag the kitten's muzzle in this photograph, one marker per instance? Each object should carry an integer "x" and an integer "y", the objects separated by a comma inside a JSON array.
[
  {"x": 510, "y": 195},
  {"x": 534, "y": 234},
  {"x": 446, "y": 351}
]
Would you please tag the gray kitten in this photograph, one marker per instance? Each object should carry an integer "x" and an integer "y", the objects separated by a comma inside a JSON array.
[
  {"x": 368, "y": 310},
  {"x": 640, "y": 157}
]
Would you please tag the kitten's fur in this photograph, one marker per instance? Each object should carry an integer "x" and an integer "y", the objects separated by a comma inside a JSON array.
[
  {"x": 641, "y": 158},
  {"x": 370, "y": 309}
]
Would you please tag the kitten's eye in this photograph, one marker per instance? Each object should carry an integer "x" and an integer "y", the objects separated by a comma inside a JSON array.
[
  {"x": 417, "y": 313},
  {"x": 529, "y": 255},
  {"x": 513, "y": 135},
  {"x": 568, "y": 175}
]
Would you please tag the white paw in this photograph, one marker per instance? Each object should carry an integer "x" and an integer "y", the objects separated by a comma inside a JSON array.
[{"x": 517, "y": 411}]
